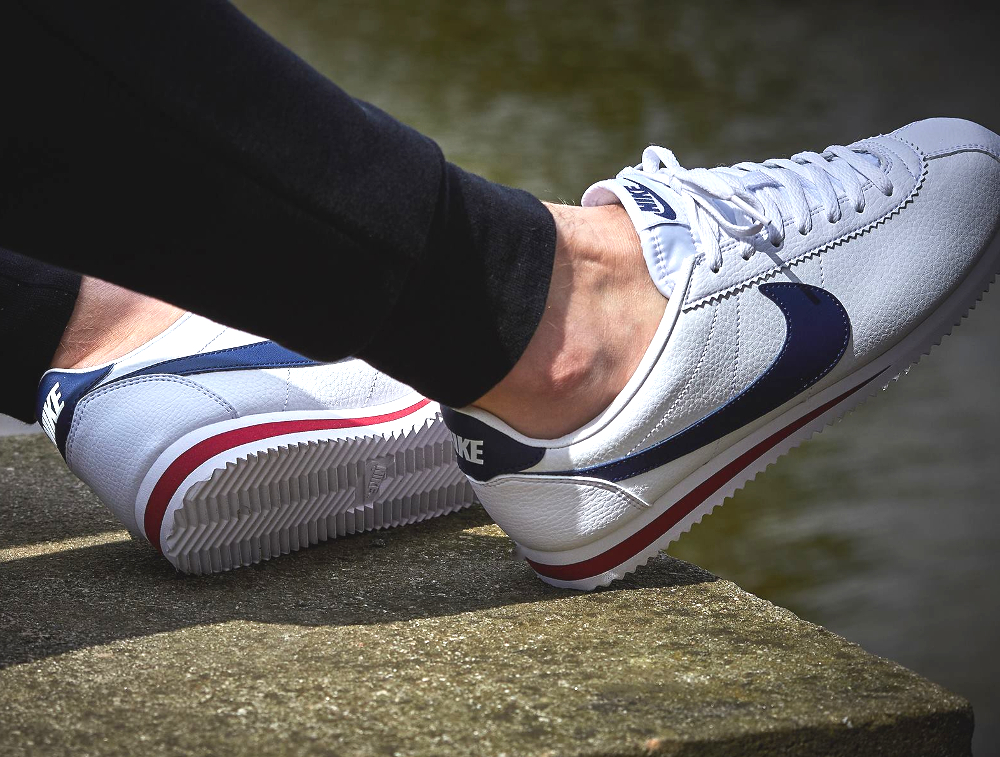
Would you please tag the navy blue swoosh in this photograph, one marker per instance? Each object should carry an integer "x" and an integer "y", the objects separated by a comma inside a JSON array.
[
  {"x": 246, "y": 357},
  {"x": 817, "y": 335},
  {"x": 667, "y": 212}
]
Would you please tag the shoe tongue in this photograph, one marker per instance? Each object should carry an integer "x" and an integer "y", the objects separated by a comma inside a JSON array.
[{"x": 657, "y": 214}]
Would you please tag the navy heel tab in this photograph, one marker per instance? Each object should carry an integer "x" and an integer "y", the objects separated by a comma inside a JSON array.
[
  {"x": 483, "y": 452},
  {"x": 58, "y": 393}
]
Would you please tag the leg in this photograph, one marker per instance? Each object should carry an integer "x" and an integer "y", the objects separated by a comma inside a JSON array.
[
  {"x": 109, "y": 322},
  {"x": 602, "y": 311},
  {"x": 235, "y": 181},
  {"x": 217, "y": 199}
]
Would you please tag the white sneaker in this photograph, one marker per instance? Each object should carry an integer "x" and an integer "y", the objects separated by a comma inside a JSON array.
[
  {"x": 222, "y": 450},
  {"x": 796, "y": 289}
]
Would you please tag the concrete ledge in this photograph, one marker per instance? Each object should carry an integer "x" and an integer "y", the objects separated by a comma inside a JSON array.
[{"x": 428, "y": 640}]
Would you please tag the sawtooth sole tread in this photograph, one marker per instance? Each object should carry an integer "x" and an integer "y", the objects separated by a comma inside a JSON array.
[{"x": 282, "y": 499}]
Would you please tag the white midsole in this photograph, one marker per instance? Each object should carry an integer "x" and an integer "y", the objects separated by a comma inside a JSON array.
[{"x": 205, "y": 470}]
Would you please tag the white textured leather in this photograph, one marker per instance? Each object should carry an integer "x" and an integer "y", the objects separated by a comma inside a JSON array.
[
  {"x": 565, "y": 513},
  {"x": 118, "y": 432},
  {"x": 189, "y": 335},
  {"x": 121, "y": 426},
  {"x": 890, "y": 266},
  {"x": 892, "y": 277},
  {"x": 905, "y": 170},
  {"x": 350, "y": 383},
  {"x": 347, "y": 384},
  {"x": 940, "y": 136}
]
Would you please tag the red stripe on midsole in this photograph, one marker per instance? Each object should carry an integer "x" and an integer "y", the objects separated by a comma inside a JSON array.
[
  {"x": 652, "y": 531},
  {"x": 187, "y": 462}
]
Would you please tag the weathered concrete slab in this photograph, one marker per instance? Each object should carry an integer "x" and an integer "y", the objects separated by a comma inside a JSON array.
[{"x": 429, "y": 640}]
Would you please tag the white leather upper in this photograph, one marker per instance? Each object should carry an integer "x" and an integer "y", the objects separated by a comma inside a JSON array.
[
  {"x": 890, "y": 266},
  {"x": 120, "y": 427},
  {"x": 118, "y": 432},
  {"x": 573, "y": 512}
]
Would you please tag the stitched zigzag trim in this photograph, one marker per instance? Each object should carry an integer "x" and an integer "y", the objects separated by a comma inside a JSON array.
[{"x": 771, "y": 272}]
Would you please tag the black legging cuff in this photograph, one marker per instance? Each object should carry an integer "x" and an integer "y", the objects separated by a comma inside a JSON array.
[
  {"x": 36, "y": 302},
  {"x": 471, "y": 315},
  {"x": 173, "y": 148}
]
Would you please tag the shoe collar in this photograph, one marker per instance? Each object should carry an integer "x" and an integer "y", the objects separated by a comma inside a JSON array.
[
  {"x": 182, "y": 350},
  {"x": 664, "y": 330}
]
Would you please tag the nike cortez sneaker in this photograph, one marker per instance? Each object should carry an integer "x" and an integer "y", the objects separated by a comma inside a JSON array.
[
  {"x": 222, "y": 449},
  {"x": 796, "y": 288}
]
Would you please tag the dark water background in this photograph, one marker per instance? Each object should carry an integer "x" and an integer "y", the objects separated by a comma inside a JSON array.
[{"x": 884, "y": 529}]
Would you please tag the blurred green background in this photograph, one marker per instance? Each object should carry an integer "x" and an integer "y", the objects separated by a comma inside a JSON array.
[{"x": 884, "y": 529}]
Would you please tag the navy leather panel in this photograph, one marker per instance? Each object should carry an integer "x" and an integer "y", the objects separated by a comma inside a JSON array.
[
  {"x": 247, "y": 357},
  {"x": 62, "y": 403},
  {"x": 484, "y": 452}
]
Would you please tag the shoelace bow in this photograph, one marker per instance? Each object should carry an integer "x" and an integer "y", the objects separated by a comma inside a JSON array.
[{"x": 765, "y": 193}]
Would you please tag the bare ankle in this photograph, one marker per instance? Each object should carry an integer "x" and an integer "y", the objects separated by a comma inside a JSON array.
[
  {"x": 109, "y": 322},
  {"x": 601, "y": 313}
]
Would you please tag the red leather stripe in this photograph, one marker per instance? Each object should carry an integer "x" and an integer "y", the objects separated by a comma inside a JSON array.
[
  {"x": 652, "y": 531},
  {"x": 206, "y": 449}
]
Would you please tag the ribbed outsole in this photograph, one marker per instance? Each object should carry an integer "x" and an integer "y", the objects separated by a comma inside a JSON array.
[
  {"x": 281, "y": 499},
  {"x": 948, "y": 318}
]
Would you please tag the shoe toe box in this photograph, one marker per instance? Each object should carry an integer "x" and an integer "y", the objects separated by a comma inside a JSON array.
[
  {"x": 936, "y": 137},
  {"x": 958, "y": 201}
]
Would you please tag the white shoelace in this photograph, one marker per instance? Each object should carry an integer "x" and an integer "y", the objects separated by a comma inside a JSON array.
[{"x": 766, "y": 193}]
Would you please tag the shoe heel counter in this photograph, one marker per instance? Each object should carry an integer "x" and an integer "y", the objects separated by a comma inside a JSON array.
[
  {"x": 58, "y": 395},
  {"x": 556, "y": 514},
  {"x": 484, "y": 452},
  {"x": 119, "y": 431},
  {"x": 545, "y": 513}
]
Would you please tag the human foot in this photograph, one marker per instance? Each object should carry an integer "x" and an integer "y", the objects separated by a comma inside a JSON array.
[
  {"x": 109, "y": 322},
  {"x": 600, "y": 315},
  {"x": 806, "y": 285},
  {"x": 223, "y": 450}
]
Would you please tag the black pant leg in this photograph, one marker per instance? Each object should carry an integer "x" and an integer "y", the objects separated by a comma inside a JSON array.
[
  {"x": 36, "y": 302},
  {"x": 172, "y": 147}
]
